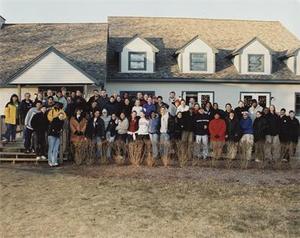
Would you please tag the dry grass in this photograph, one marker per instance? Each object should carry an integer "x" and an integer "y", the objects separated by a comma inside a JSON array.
[
  {"x": 136, "y": 152},
  {"x": 114, "y": 201}
]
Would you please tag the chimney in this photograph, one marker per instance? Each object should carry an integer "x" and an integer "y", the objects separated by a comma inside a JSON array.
[{"x": 2, "y": 21}]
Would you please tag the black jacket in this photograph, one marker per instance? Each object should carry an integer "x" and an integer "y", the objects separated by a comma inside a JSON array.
[
  {"x": 259, "y": 129},
  {"x": 56, "y": 127},
  {"x": 96, "y": 129},
  {"x": 24, "y": 107},
  {"x": 273, "y": 122},
  {"x": 40, "y": 122},
  {"x": 112, "y": 127},
  {"x": 283, "y": 129},
  {"x": 187, "y": 121},
  {"x": 233, "y": 130},
  {"x": 111, "y": 108},
  {"x": 293, "y": 130},
  {"x": 201, "y": 124}
]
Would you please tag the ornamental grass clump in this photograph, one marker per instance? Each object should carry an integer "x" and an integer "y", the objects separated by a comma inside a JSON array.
[
  {"x": 84, "y": 152},
  {"x": 136, "y": 152},
  {"x": 119, "y": 148},
  {"x": 150, "y": 160},
  {"x": 182, "y": 151}
]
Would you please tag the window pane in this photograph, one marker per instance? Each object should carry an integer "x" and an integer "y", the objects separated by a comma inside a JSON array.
[
  {"x": 198, "y": 62},
  {"x": 137, "y": 57},
  {"x": 262, "y": 101},
  {"x": 137, "y": 65},
  {"x": 256, "y": 63}
]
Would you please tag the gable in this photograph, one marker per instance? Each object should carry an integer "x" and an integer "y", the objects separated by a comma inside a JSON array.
[
  {"x": 51, "y": 68},
  {"x": 139, "y": 44},
  {"x": 256, "y": 46}
]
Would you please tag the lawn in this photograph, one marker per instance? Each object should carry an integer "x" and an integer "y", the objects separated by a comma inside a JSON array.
[{"x": 126, "y": 201}]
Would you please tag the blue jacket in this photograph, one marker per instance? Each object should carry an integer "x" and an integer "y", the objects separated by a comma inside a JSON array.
[
  {"x": 246, "y": 126},
  {"x": 154, "y": 125},
  {"x": 148, "y": 109}
]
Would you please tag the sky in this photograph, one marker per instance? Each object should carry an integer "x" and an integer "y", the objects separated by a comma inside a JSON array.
[{"x": 32, "y": 11}]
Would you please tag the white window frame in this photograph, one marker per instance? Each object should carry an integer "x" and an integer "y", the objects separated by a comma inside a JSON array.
[
  {"x": 255, "y": 95},
  {"x": 199, "y": 95}
]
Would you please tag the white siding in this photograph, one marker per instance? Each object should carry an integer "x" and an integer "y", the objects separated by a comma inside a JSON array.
[
  {"x": 197, "y": 46},
  {"x": 138, "y": 45},
  {"x": 290, "y": 62},
  {"x": 298, "y": 63},
  {"x": 236, "y": 62},
  {"x": 256, "y": 48},
  {"x": 283, "y": 95},
  {"x": 52, "y": 69}
]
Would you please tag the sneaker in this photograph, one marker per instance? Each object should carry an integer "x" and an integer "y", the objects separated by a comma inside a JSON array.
[
  {"x": 38, "y": 157},
  {"x": 4, "y": 140},
  {"x": 55, "y": 164},
  {"x": 27, "y": 151},
  {"x": 257, "y": 160},
  {"x": 43, "y": 157},
  {"x": 50, "y": 164}
]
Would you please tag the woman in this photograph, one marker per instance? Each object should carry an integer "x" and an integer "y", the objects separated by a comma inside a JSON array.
[
  {"x": 11, "y": 113},
  {"x": 111, "y": 133},
  {"x": 137, "y": 107},
  {"x": 143, "y": 130},
  {"x": 133, "y": 127},
  {"x": 122, "y": 127},
  {"x": 259, "y": 132},
  {"x": 55, "y": 129},
  {"x": 154, "y": 124},
  {"x": 233, "y": 135},
  {"x": 126, "y": 107},
  {"x": 77, "y": 127}
]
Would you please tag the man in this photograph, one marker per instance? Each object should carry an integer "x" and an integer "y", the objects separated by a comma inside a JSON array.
[
  {"x": 201, "y": 121},
  {"x": 39, "y": 124},
  {"x": 164, "y": 129},
  {"x": 293, "y": 129},
  {"x": 239, "y": 109},
  {"x": 182, "y": 107},
  {"x": 160, "y": 104},
  {"x": 154, "y": 124},
  {"x": 172, "y": 97},
  {"x": 247, "y": 139},
  {"x": 28, "y": 128},
  {"x": 217, "y": 130},
  {"x": 61, "y": 99},
  {"x": 149, "y": 107},
  {"x": 259, "y": 132},
  {"x": 25, "y": 106},
  {"x": 283, "y": 135},
  {"x": 111, "y": 106},
  {"x": 254, "y": 109},
  {"x": 50, "y": 102},
  {"x": 94, "y": 98}
]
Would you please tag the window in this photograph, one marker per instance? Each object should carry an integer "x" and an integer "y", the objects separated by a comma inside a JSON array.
[
  {"x": 201, "y": 97},
  {"x": 137, "y": 61},
  {"x": 255, "y": 63},
  {"x": 297, "y": 104},
  {"x": 198, "y": 61},
  {"x": 263, "y": 99}
]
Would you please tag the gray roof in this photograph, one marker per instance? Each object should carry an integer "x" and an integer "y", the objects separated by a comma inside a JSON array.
[
  {"x": 83, "y": 44},
  {"x": 170, "y": 34}
]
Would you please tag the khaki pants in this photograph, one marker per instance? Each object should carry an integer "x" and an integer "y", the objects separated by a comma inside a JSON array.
[
  {"x": 259, "y": 150},
  {"x": 187, "y": 136},
  {"x": 272, "y": 150},
  {"x": 246, "y": 144},
  {"x": 232, "y": 148},
  {"x": 217, "y": 147}
]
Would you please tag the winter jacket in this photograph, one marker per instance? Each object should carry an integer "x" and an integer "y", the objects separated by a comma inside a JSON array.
[
  {"x": 56, "y": 127},
  {"x": 25, "y": 107},
  {"x": 61, "y": 100},
  {"x": 283, "y": 129},
  {"x": 187, "y": 121},
  {"x": 273, "y": 122},
  {"x": 54, "y": 112},
  {"x": 246, "y": 126},
  {"x": 294, "y": 129},
  {"x": 201, "y": 122},
  {"x": 78, "y": 128},
  {"x": 11, "y": 113},
  {"x": 259, "y": 129},
  {"x": 233, "y": 130},
  {"x": 29, "y": 116},
  {"x": 111, "y": 128},
  {"x": 111, "y": 108},
  {"x": 154, "y": 125},
  {"x": 148, "y": 109},
  {"x": 217, "y": 129},
  {"x": 95, "y": 128},
  {"x": 40, "y": 122}
]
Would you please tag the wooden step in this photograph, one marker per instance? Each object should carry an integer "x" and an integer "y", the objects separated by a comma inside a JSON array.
[{"x": 14, "y": 160}]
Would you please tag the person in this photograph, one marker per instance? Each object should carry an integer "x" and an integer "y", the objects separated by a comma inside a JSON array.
[
  {"x": 39, "y": 124},
  {"x": 122, "y": 128},
  {"x": 11, "y": 113},
  {"x": 259, "y": 133},
  {"x": 94, "y": 98},
  {"x": 182, "y": 107},
  {"x": 247, "y": 139},
  {"x": 61, "y": 99},
  {"x": 28, "y": 130},
  {"x": 111, "y": 106},
  {"x": 255, "y": 107},
  {"x": 154, "y": 124},
  {"x": 105, "y": 117},
  {"x": 149, "y": 107},
  {"x": 240, "y": 109},
  {"x": 233, "y": 135},
  {"x": 143, "y": 128},
  {"x": 55, "y": 110},
  {"x": 78, "y": 125},
  {"x": 111, "y": 133},
  {"x": 283, "y": 135},
  {"x": 49, "y": 102},
  {"x": 119, "y": 105},
  {"x": 201, "y": 121},
  {"x": 25, "y": 106},
  {"x": 172, "y": 97},
  {"x": 126, "y": 107},
  {"x": 228, "y": 110},
  {"x": 160, "y": 104},
  {"x": 293, "y": 133},
  {"x": 187, "y": 134},
  {"x": 95, "y": 131},
  {"x": 209, "y": 110},
  {"x": 137, "y": 107},
  {"x": 217, "y": 130},
  {"x": 55, "y": 130},
  {"x": 164, "y": 131},
  {"x": 178, "y": 127},
  {"x": 272, "y": 150},
  {"x": 216, "y": 109},
  {"x": 133, "y": 127}
]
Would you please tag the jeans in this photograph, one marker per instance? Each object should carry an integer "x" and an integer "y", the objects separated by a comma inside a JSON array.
[
  {"x": 97, "y": 140},
  {"x": 154, "y": 142},
  {"x": 27, "y": 138},
  {"x": 11, "y": 131},
  {"x": 164, "y": 143},
  {"x": 202, "y": 141},
  {"x": 53, "y": 149},
  {"x": 110, "y": 139}
]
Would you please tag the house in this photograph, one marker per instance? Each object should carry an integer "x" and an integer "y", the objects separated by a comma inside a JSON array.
[
  {"x": 217, "y": 60},
  {"x": 205, "y": 59},
  {"x": 35, "y": 57}
]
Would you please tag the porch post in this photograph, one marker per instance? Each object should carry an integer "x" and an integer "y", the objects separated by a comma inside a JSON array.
[
  {"x": 85, "y": 91},
  {"x": 19, "y": 91}
]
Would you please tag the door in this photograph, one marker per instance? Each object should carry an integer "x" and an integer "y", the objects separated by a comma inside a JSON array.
[{"x": 263, "y": 99}]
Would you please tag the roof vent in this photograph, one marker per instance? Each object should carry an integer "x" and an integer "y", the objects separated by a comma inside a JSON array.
[{"x": 2, "y": 21}]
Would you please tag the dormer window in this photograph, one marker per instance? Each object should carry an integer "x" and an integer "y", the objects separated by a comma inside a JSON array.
[
  {"x": 198, "y": 61},
  {"x": 255, "y": 63},
  {"x": 137, "y": 61}
]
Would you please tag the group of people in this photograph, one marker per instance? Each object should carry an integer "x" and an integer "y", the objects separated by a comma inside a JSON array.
[{"x": 270, "y": 134}]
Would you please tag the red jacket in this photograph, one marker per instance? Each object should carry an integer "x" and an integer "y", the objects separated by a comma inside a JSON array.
[{"x": 217, "y": 130}]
